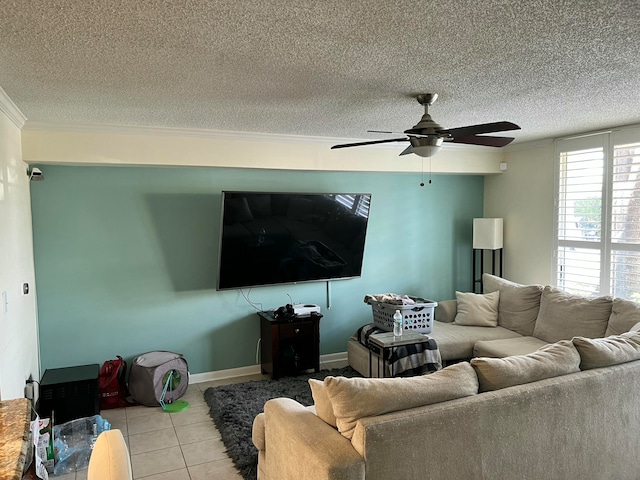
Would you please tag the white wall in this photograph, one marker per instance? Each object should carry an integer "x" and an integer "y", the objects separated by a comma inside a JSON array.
[
  {"x": 18, "y": 325},
  {"x": 523, "y": 196}
]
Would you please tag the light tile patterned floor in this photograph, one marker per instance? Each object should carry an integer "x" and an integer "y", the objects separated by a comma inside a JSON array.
[{"x": 173, "y": 446}]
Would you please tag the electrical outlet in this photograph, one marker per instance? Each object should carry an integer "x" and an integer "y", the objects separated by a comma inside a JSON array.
[{"x": 28, "y": 390}]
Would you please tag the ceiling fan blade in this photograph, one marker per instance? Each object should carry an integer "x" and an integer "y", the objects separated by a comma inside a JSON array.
[
  {"x": 373, "y": 142},
  {"x": 480, "y": 140},
  {"x": 383, "y": 131},
  {"x": 481, "y": 128},
  {"x": 407, "y": 151}
]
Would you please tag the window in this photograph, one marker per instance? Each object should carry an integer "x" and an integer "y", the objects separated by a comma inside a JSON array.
[{"x": 598, "y": 214}]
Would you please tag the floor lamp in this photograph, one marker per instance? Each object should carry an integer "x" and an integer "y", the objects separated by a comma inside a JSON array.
[{"x": 487, "y": 235}]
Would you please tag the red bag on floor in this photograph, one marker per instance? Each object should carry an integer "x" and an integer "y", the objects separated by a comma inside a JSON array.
[{"x": 111, "y": 384}]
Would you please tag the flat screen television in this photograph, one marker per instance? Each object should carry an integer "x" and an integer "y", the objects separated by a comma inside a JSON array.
[{"x": 280, "y": 238}]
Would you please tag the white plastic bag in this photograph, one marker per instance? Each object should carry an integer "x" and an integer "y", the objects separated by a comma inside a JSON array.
[{"x": 73, "y": 442}]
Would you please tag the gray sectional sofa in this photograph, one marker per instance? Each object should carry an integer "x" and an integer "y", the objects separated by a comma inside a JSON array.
[
  {"x": 527, "y": 317},
  {"x": 567, "y": 410}
]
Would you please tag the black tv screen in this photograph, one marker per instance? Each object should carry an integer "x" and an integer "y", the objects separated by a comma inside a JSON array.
[{"x": 278, "y": 238}]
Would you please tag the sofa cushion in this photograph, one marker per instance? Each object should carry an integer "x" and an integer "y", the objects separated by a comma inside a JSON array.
[
  {"x": 456, "y": 342},
  {"x": 624, "y": 315},
  {"x": 553, "y": 360},
  {"x": 321, "y": 401},
  {"x": 604, "y": 352},
  {"x": 356, "y": 398},
  {"x": 563, "y": 316},
  {"x": 476, "y": 309},
  {"x": 506, "y": 347},
  {"x": 519, "y": 304}
]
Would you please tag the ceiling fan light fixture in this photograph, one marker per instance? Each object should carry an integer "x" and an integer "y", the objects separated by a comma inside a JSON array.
[{"x": 426, "y": 146}]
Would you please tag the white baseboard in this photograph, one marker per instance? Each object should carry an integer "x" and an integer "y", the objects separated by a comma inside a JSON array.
[{"x": 331, "y": 360}]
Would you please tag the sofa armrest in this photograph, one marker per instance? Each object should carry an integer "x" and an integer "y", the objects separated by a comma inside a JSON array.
[
  {"x": 298, "y": 445},
  {"x": 446, "y": 311},
  {"x": 110, "y": 458}
]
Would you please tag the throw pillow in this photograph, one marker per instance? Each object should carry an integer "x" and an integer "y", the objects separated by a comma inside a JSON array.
[
  {"x": 519, "y": 304},
  {"x": 476, "y": 309},
  {"x": 553, "y": 360},
  {"x": 604, "y": 352},
  {"x": 324, "y": 409},
  {"x": 446, "y": 311},
  {"x": 356, "y": 398},
  {"x": 624, "y": 315},
  {"x": 563, "y": 316}
]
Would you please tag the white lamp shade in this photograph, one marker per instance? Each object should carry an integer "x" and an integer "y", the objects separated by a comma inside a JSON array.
[{"x": 487, "y": 233}]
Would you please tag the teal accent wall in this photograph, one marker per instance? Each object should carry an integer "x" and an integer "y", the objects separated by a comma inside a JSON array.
[{"x": 126, "y": 259}]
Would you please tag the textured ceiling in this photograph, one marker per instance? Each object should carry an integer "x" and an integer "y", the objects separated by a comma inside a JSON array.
[{"x": 331, "y": 68}]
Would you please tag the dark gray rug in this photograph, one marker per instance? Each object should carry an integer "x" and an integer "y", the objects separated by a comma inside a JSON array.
[{"x": 233, "y": 408}]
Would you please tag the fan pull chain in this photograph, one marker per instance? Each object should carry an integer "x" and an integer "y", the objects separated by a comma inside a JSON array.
[{"x": 422, "y": 182}]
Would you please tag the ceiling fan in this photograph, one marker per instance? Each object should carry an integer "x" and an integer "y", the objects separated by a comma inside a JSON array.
[{"x": 426, "y": 137}]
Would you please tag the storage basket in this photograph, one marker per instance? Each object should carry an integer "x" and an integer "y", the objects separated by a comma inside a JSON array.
[{"x": 417, "y": 317}]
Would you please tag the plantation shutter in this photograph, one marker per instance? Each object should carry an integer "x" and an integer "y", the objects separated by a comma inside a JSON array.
[
  {"x": 598, "y": 215},
  {"x": 579, "y": 213},
  {"x": 625, "y": 222}
]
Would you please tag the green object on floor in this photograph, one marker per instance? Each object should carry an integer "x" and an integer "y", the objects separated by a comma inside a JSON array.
[
  {"x": 177, "y": 406},
  {"x": 171, "y": 380}
]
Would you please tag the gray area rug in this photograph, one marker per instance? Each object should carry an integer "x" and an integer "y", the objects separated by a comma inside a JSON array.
[{"x": 233, "y": 408}]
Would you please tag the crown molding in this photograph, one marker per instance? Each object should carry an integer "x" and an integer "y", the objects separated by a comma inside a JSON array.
[
  {"x": 11, "y": 110},
  {"x": 217, "y": 134},
  {"x": 171, "y": 132}
]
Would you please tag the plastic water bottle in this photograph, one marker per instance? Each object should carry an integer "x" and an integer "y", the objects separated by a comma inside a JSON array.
[{"x": 397, "y": 324}]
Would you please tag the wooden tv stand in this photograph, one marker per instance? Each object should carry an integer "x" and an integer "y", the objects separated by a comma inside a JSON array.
[{"x": 289, "y": 345}]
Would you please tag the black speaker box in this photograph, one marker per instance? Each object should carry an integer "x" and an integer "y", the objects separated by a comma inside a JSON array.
[{"x": 69, "y": 393}]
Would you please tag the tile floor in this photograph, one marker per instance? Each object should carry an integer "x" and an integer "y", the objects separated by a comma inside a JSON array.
[{"x": 173, "y": 446}]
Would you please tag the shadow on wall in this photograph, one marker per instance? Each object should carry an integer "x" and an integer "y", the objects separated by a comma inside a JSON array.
[
  {"x": 188, "y": 227},
  {"x": 461, "y": 259}
]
